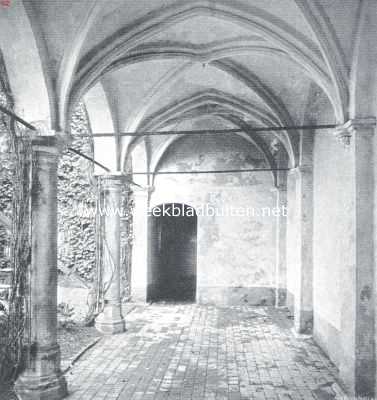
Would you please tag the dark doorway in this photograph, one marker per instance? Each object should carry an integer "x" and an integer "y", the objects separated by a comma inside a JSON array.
[{"x": 172, "y": 255}]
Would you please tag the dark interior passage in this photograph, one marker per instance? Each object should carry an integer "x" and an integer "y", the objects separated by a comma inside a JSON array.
[{"x": 172, "y": 263}]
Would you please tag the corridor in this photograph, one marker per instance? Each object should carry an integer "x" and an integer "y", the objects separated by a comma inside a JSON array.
[
  {"x": 257, "y": 119},
  {"x": 204, "y": 352}
]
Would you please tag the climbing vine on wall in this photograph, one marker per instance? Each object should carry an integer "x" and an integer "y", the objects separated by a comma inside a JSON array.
[
  {"x": 76, "y": 204},
  {"x": 7, "y": 166},
  {"x": 16, "y": 159},
  {"x": 126, "y": 244},
  {"x": 77, "y": 194}
]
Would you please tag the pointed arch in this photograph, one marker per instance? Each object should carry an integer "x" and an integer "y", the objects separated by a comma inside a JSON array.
[
  {"x": 95, "y": 63},
  {"x": 164, "y": 148},
  {"x": 230, "y": 104},
  {"x": 212, "y": 53},
  {"x": 225, "y": 106}
]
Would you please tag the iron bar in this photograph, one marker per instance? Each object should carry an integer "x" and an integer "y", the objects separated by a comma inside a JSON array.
[
  {"x": 213, "y": 131},
  {"x": 224, "y": 171},
  {"x": 17, "y": 118},
  {"x": 88, "y": 158},
  {"x": 95, "y": 162},
  {"x": 266, "y": 129},
  {"x": 188, "y": 132}
]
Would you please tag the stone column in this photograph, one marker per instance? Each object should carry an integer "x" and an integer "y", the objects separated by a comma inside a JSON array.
[
  {"x": 300, "y": 237},
  {"x": 110, "y": 320},
  {"x": 42, "y": 378},
  {"x": 357, "y": 365},
  {"x": 139, "y": 267},
  {"x": 303, "y": 299},
  {"x": 281, "y": 247}
]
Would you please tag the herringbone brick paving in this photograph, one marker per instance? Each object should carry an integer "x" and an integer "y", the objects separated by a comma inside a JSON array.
[{"x": 195, "y": 352}]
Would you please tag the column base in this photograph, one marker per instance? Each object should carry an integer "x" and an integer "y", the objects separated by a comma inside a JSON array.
[
  {"x": 42, "y": 378},
  {"x": 111, "y": 327},
  {"x": 280, "y": 297},
  {"x": 303, "y": 322},
  {"x": 110, "y": 321},
  {"x": 41, "y": 388}
]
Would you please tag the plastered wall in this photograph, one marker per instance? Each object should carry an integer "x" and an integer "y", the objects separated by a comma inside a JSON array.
[
  {"x": 236, "y": 255},
  {"x": 333, "y": 234}
]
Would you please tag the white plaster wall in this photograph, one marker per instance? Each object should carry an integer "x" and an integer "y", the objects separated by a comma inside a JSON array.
[
  {"x": 236, "y": 255},
  {"x": 333, "y": 233}
]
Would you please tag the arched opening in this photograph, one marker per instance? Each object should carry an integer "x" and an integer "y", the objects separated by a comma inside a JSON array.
[{"x": 172, "y": 256}]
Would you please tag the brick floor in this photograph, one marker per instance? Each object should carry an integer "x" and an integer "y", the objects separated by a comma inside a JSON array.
[{"x": 193, "y": 352}]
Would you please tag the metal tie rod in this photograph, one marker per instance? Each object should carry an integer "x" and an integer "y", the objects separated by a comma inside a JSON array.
[
  {"x": 213, "y": 131},
  {"x": 33, "y": 128},
  {"x": 17, "y": 118},
  {"x": 221, "y": 171},
  {"x": 185, "y": 132}
]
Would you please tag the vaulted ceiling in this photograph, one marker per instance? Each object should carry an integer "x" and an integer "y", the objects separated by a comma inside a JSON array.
[{"x": 163, "y": 63}]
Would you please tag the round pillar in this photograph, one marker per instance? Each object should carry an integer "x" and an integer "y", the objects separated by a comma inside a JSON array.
[
  {"x": 42, "y": 378},
  {"x": 281, "y": 244},
  {"x": 110, "y": 320}
]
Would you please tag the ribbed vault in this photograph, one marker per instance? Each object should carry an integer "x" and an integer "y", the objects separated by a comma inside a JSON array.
[{"x": 156, "y": 50}]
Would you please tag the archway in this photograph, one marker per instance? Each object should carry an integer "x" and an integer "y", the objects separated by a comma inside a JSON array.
[{"x": 172, "y": 256}]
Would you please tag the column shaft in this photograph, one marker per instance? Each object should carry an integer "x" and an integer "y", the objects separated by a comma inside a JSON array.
[
  {"x": 111, "y": 320},
  {"x": 299, "y": 248},
  {"x": 303, "y": 307},
  {"x": 42, "y": 377},
  {"x": 281, "y": 248}
]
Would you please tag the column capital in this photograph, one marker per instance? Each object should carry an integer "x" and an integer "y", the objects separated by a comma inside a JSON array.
[
  {"x": 300, "y": 169},
  {"x": 279, "y": 188},
  {"x": 113, "y": 179},
  {"x": 305, "y": 168},
  {"x": 345, "y": 132},
  {"x": 52, "y": 144},
  {"x": 42, "y": 129}
]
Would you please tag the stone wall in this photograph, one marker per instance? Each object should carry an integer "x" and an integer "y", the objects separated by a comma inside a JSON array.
[{"x": 236, "y": 255}]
